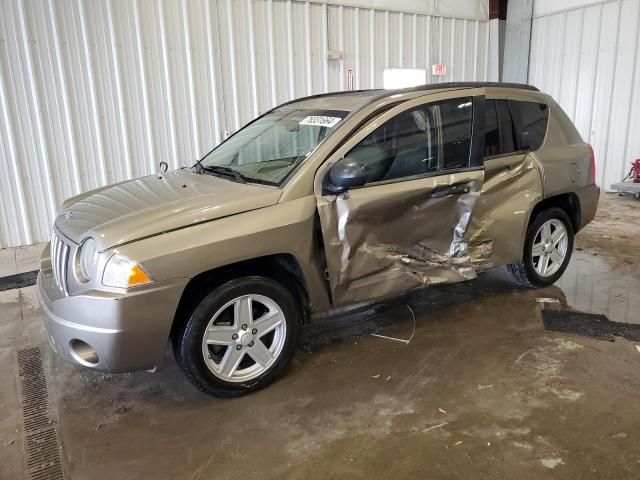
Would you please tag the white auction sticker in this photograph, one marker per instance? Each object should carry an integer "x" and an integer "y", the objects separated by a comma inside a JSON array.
[{"x": 320, "y": 121}]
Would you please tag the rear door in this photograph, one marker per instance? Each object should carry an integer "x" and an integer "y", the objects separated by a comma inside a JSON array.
[
  {"x": 404, "y": 228},
  {"x": 512, "y": 183}
]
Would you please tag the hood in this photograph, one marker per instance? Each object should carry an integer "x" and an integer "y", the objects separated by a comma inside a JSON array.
[{"x": 150, "y": 205}]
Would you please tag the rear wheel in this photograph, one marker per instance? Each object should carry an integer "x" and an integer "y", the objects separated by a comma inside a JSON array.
[
  {"x": 240, "y": 337},
  {"x": 547, "y": 249}
]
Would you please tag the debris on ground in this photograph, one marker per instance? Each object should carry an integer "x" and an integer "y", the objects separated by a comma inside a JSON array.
[
  {"x": 442, "y": 410},
  {"x": 401, "y": 340},
  {"x": 434, "y": 427},
  {"x": 459, "y": 442},
  {"x": 482, "y": 387},
  {"x": 375, "y": 376},
  {"x": 547, "y": 300}
]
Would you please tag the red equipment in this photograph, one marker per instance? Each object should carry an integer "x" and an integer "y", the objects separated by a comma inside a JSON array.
[
  {"x": 631, "y": 183},
  {"x": 634, "y": 173}
]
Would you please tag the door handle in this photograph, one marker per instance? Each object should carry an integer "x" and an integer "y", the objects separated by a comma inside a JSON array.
[{"x": 450, "y": 190}]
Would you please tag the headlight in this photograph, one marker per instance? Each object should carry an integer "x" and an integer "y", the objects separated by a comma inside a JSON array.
[
  {"x": 88, "y": 262},
  {"x": 123, "y": 272}
]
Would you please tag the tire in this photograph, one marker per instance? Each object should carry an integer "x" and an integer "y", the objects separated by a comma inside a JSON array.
[
  {"x": 530, "y": 272},
  {"x": 222, "y": 314}
]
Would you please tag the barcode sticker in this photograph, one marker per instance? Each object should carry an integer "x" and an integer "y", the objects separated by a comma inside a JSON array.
[{"x": 320, "y": 121}]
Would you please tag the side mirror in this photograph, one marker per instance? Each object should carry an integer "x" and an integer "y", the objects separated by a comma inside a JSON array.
[{"x": 347, "y": 173}]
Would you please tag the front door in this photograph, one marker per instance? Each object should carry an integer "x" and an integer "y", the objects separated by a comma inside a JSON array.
[{"x": 405, "y": 227}]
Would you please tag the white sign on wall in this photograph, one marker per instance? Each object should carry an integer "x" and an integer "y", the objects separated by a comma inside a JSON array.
[{"x": 403, "y": 77}]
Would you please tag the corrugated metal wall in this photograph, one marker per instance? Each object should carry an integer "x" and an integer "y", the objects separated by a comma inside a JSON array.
[
  {"x": 97, "y": 91},
  {"x": 587, "y": 58}
]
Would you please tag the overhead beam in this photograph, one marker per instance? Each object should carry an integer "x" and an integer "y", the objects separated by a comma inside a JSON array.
[
  {"x": 497, "y": 20},
  {"x": 517, "y": 41}
]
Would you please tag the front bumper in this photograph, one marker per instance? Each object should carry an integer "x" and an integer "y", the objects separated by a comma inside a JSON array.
[{"x": 125, "y": 331}]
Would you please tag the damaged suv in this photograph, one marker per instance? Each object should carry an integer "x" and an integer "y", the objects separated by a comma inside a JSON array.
[{"x": 320, "y": 204}]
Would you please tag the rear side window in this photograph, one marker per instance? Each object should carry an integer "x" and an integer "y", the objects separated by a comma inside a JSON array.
[
  {"x": 512, "y": 126},
  {"x": 531, "y": 119},
  {"x": 491, "y": 130},
  {"x": 507, "y": 132},
  {"x": 499, "y": 138}
]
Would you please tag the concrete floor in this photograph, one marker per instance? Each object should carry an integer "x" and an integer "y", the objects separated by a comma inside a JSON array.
[{"x": 481, "y": 391}]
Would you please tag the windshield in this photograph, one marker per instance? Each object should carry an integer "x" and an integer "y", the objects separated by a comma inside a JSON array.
[{"x": 268, "y": 149}]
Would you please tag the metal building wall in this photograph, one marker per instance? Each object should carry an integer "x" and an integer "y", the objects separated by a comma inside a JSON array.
[
  {"x": 586, "y": 57},
  {"x": 93, "y": 92}
]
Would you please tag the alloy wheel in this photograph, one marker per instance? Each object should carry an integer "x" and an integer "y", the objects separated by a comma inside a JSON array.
[
  {"x": 244, "y": 338},
  {"x": 549, "y": 247}
]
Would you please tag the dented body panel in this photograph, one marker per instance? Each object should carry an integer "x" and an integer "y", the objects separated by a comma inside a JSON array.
[
  {"x": 385, "y": 240},
  {"x": 511, "y": 189}
]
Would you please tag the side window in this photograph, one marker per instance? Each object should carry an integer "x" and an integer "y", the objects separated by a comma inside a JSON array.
[
  {"x": 491, "y": 130},
  {"x": 422, "y": 140},
  {"x": 531, "y": 119},
  {"x": 456, "y": 118},
  {"x": 398, "y": 148},
  {"x": 507, "y": 133}
]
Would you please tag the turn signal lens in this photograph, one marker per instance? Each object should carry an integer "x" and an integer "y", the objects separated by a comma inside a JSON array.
[
  {"x": 123, "y": 272},
  {"x": 137, "y": 276}
]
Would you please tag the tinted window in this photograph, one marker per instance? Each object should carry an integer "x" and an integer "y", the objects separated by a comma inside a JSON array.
[
  {"x": 531, "y": 119},
  {"x": 423, "y": 140},
  {"x": 456, "y": 118},
  {"x": 507, "y": 134},
  {"x": 492, "y": 132}
]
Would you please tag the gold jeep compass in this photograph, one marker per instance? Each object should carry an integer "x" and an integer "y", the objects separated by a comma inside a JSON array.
[{"x": 322, "y": 203}]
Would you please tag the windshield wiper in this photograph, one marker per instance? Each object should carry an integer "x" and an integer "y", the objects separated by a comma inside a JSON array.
[
  {"x": 224, "y": 171},
  {"x": 200, "y": 169}
]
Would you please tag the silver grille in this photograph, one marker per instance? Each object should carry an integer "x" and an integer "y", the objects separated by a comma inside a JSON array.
[{"x": 59, "y": 261}]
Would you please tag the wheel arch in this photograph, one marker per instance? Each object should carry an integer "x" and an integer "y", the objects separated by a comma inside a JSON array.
[
  {"x": 281, "y": 267},
  {"x": 569, "y": 202}
]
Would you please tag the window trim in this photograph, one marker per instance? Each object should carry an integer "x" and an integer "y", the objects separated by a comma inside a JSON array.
[{"x": 510, "y": 154}]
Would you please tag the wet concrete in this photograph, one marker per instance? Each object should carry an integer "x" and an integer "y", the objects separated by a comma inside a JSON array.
[{"x": 480, "y": 391}]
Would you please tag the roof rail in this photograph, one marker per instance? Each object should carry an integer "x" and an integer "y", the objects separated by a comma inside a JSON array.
[
  {"x": 436, "y": 86},
  {"x": 419, "y": 88}
]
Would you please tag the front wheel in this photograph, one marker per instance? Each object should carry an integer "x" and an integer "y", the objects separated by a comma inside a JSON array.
[
  {"x": 547, "y": 249},
  {"x": 240, "y": 337}
]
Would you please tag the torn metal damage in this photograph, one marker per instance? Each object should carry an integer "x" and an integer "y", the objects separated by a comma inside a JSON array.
[{"x": 389, "y": 238}]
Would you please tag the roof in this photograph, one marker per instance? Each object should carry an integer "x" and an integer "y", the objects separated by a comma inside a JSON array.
[{"x": 354, "y": 100}]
